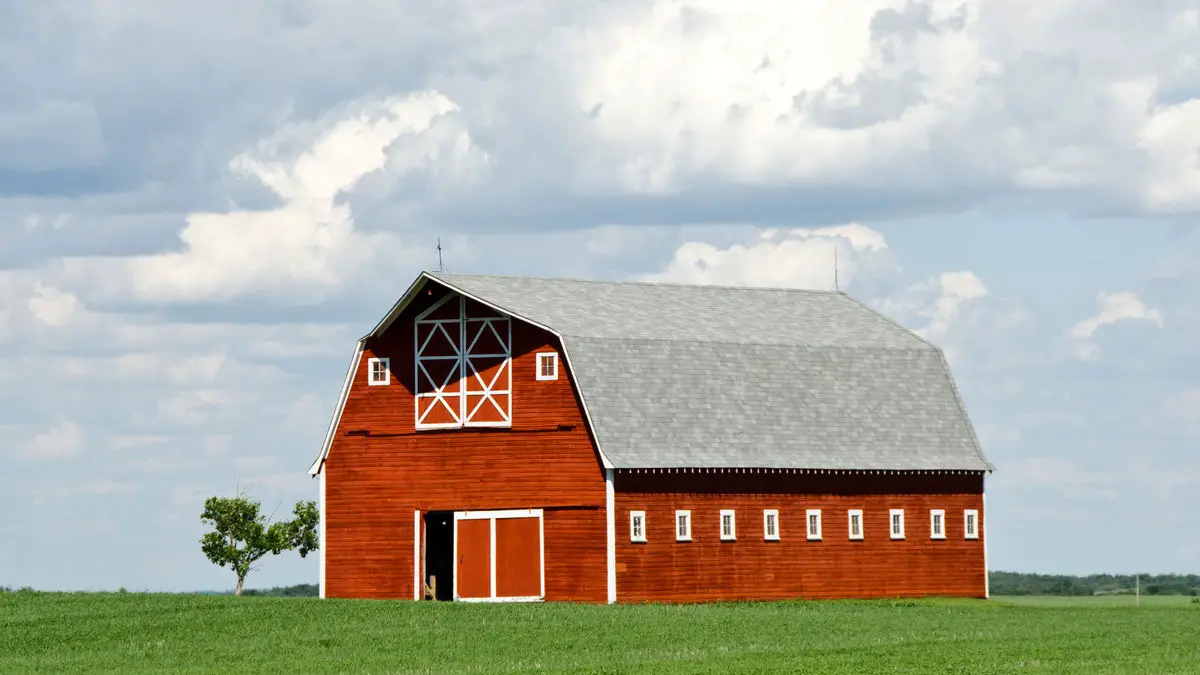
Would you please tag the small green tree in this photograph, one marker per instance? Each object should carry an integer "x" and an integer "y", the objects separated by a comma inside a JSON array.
[{"x": 241, "y": 534}]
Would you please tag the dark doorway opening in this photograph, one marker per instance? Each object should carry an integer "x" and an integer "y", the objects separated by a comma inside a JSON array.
[{"x": 439, "y": 553}]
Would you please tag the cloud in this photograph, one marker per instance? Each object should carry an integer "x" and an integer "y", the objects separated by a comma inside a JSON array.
[
  {"x": 797, "y": 258},
  {"x": 1114, "y": 307},
  {"x": 939, "y": 300},
  {"x": 63, "y": 441}
]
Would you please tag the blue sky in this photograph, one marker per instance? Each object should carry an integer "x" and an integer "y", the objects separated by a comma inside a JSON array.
[{"x": 201, "y": 209}]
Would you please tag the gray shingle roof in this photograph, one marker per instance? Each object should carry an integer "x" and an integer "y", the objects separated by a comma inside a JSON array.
[{"x": 678, "y": 376}]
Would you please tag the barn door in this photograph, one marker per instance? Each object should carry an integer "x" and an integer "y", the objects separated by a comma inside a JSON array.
[{"x": 499, "y": 555}]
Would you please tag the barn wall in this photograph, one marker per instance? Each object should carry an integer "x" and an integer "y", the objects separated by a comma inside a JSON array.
[
  {"x": 835, "y": 567},
  {"x": 380, "y": 469}
]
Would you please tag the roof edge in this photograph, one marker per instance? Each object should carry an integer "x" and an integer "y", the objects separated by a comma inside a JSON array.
[{"x": 319, "y": 463}]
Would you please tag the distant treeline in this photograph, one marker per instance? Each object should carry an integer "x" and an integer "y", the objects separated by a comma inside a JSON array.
[
  {"x": 1021, "y": 583},
  {"x": 297, "y": 591}
]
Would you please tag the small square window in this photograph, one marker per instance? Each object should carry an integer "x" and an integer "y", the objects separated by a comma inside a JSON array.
[
  {"x": 856, "y": 524},
  {"x": 937, "y": 524},
  {"x": 771, "y": 524},
  {"x": 814, "y": 524},
  {"x": 970, "y": 524},
  {"x": 728, "y": 528},
  {"x": 378, "y": 373},
  {"x": 683, "y": 526},
  {"x": 637, "y": 526},
  {"x": 897, "y": 518},
  {"x": 547, "y": 366}
]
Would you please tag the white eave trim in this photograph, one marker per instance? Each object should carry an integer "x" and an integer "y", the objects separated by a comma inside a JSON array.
[
  {"x": 416, "y": 288},
  {"x": 317, "y": 465}
]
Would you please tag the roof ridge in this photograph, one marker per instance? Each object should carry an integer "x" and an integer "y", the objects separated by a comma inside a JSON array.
[
  {"x": 642, "y": 282},
  {"x": 806, "y": 345}
]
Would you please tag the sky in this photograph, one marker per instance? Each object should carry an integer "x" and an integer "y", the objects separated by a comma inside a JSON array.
[{"x": 204, "y": 205}]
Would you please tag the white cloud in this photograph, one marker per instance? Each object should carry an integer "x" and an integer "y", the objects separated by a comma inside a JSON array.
[
  {"x": 939, "y": 301},
  {"x": 798, "y": 258},
  {"x": 62, "y": 441},
  {"x": 51, "y": 306},
  {"x": 1114, "y": 307}
]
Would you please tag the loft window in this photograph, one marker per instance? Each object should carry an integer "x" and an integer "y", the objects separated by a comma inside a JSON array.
[
  {"x": 897, "y": 517},
  {"x": 637, "y": 526},
  {"x": 547, "y": 366},
  {"x": 937, "y": 524},
  {"x": 814, "y": 524},
  {"x": 771, "y": 524},
  {"x": 378, "y": 372},
  {"x": 683, "y": 526},
  {"x": 856, "y": 525},
  {"x": 970, "y": 524},
  {"x": 728, "y": 531}
]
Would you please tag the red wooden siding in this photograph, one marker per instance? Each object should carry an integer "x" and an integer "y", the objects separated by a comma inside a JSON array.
[
  {"x": 380, "y": 469},
  {"x": 835, "y": 567},
  {"x": 518, "y": 558},
  {"x": 473, "y": 564}
]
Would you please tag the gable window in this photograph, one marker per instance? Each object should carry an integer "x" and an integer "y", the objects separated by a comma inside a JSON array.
[
  {"x": 771, "y": 524},
  {"x": 814, "y": 524},
  {"x": 856, "y": 527},
  {"x": 937, "y": 524},
  {"x": 728, "y": 530},
  {"x": 683, "y": 526},
  {"x": 378, "y": 372},
  {"x": 897, "y": 517},
  {"x": 547, "y": 366},
  {"x": 970, "y": 524},
  {"x": 637, "y": 526}
]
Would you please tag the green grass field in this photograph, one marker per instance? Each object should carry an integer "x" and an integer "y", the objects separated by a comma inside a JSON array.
[{"x": 133, "y": 633}]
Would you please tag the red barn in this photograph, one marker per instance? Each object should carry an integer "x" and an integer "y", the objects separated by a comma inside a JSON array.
[{"x": 552, "y": 439}]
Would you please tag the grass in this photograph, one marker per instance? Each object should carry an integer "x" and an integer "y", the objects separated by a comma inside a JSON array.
[
  {"x": 1122, "y": 600},
  {"x": 132, "y": 633}
]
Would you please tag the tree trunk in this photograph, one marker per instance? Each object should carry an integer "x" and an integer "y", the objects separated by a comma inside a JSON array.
[{"x": 238, "y": 590}]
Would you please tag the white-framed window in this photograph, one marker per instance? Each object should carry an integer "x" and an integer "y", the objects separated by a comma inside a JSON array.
[
  {"x": 856, "y": 523},
  {"x": 378, "y": 372},
  {"x": 813, "y": 516},
  {"x": 728, "y": 526},
  {"x": 637, "y": 526},
  {"x": 896, "y": 516},
  {"x": 971, "y": 524},
  {"x": 547, "y": 365},
  {"x": 937, "y": 524},
  {"x": 683, "y": 526},
  {"x": 771, "y": 524}
]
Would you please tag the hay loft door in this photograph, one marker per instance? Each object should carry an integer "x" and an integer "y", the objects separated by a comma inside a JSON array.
[
  {"x": 463, "y": 365},
  {"x": 499, "y": 556}
]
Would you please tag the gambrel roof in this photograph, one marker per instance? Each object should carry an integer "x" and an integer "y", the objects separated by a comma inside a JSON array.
[{"x": 688, "y": 376}]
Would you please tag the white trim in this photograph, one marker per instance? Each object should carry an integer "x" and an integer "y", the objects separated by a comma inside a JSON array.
[
  {"x": 987, "y": 580},
  {"x": 808, "y": 528},
  {"x": 492, "y": 517},
  {"x": 417, "y": 585},
  {"x": 610, "y": 524},
  {"x": 637, "y": 527},
  {"x": 553, "y": 360},
  {"x": 732, "y": 536},
  {"x": 850, "y": 524},
  {"x": 892, "y": 513},
  {"x": 341, "y": 407},
  {"x": 417, "y": 286},
  {"x": 937, "y": 521},
  {"x": 387, "y": 371},
  {"x": 970, "y": 530},
  {"x": 321, "y": 541},
  {"x": 768, "y": 514},
  {"x": 507, "y": 513},
  {"x": 687, "y": 536}
]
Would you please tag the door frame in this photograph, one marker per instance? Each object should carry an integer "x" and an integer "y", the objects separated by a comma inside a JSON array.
[{"x": 493, "y": 516}]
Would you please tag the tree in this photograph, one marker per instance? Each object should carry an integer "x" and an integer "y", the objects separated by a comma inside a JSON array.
[{"x": 241, "y": 534}]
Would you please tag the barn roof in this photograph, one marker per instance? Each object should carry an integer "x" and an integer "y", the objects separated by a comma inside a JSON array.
[{"x": 688, "y": 376}]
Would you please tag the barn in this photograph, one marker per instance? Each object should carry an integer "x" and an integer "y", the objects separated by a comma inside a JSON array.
[{"x": 530, "y": 439}]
